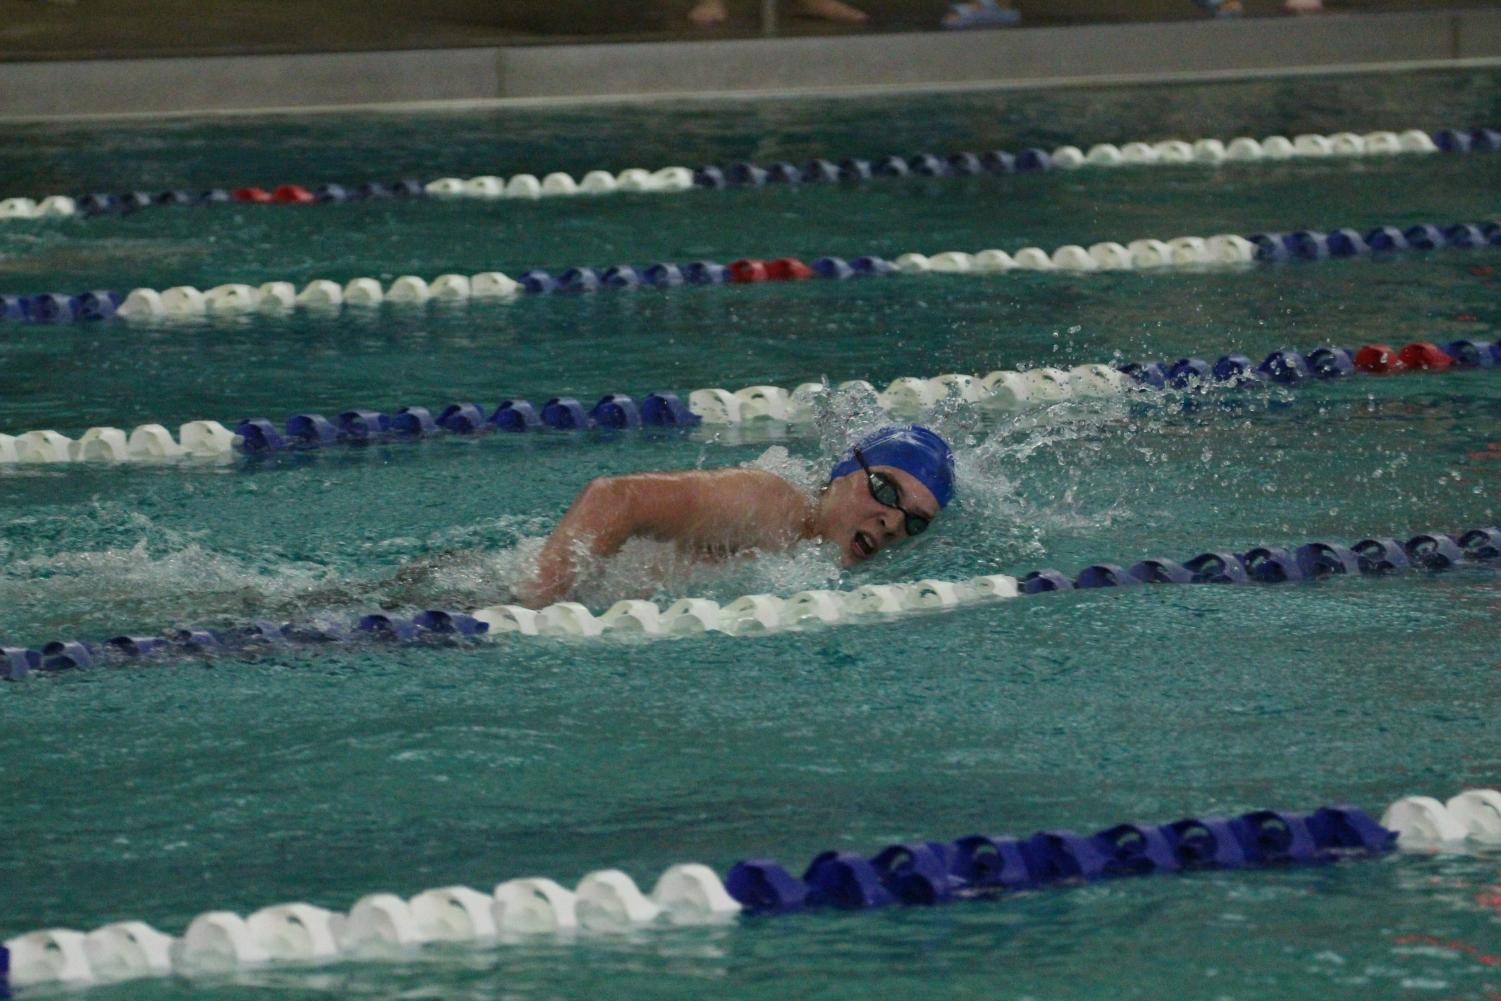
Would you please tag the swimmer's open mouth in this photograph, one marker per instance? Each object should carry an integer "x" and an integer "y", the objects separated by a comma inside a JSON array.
[{"x": 863, "y": 546}]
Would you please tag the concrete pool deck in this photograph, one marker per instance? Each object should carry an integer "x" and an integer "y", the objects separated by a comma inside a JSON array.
[{"x": 1023, "y": 57}]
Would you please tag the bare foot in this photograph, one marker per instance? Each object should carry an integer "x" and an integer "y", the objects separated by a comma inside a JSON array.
[
  {"x": 834, "y": 10},
  {"x": 708, "y": 13}
]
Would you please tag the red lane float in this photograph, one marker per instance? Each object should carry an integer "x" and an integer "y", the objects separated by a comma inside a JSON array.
[
  {"x": 293, "y": 194},
  {"x": 1419, "y": 356},
  {"x": 1377, "y": 359},
  {"x": 747, "y": 270},
  {"x": 258, "y": 196},
  {"x": 1424, "y": 356},
  {"x": 782, "y": 269},
  {"x": 788, "y": 269}
]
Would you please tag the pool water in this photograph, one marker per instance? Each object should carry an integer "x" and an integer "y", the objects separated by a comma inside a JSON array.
[{"x": 162, "y": 791}]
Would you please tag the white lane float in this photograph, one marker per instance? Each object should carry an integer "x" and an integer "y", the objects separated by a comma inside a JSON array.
[
  {"x": 908, "y": 395},
  {"x": 453, "y": 914},
  {"x": 379, "y": 922},
  {"x": 296, "y": 932},
  {"x": 604, "y": 903},
  {"x": 747, "y": 615},
  {"x": 609, "y": 900},
  {"x": 127, "y": 950},
  {"x": 678, "y": 179},
  {"x": 534, "y": 906},
  {"x": 323, "y": 297}
]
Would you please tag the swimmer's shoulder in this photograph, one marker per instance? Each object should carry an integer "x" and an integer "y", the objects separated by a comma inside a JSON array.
[
  {"x": 744, "y": 489},
  {"x": 758, "y": 480},
  {"x": 739, "y": 477}
]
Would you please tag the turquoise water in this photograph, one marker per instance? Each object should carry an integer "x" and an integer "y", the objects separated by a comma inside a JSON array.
[{"x": 163, "y": 791}]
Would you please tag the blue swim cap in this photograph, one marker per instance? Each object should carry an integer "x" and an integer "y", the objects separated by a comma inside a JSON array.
[{"x": 912, "y": 449}]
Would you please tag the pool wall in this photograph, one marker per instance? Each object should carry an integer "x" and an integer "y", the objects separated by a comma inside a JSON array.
[{"x": 1025, "y": 57}]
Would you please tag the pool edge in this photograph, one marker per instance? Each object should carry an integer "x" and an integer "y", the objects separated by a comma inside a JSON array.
[{"x": 1033, "y": 58}]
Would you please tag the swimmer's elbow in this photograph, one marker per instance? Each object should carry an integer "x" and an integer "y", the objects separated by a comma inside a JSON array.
[
  {"x": 615, "y": 508},
  {"x": 601, "y": 496},
  {"x": 605, "y": 506}
]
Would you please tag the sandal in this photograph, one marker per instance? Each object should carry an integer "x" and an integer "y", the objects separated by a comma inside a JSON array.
[
  {"x": 1220, "y": 8},
  {"x": 980, "y": 14}
]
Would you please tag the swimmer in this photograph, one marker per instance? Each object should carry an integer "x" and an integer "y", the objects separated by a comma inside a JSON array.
[{"x": 887, "y": 488}]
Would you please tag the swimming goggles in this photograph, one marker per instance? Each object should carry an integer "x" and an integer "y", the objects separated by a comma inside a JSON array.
[{"x": 886, "y": 491}]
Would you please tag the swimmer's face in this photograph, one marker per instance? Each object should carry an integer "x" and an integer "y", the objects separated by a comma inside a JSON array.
[{"x": 861, "y": 525}]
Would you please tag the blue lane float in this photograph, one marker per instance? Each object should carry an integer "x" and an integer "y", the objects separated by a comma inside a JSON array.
[
  {"x": 1312, "y": 561},
  {"x": 1288, "y": 367},
  {"x": 1317, "y": 245},
  {"x": 1280, "y": 565},
  {"x": 613, "y": 411},
  {"x": 260, "y": 635},
  {"x": 928, "y": 873},
  {"x": 977, "y": 868}
]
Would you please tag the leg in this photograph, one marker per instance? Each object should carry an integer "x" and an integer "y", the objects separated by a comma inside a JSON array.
[
  {"x": 833, "y": 10},
  {"x": 708, "y": 13}
]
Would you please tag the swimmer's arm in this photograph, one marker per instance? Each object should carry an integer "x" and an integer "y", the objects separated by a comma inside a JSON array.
[{"x": 728, "y": 509}]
